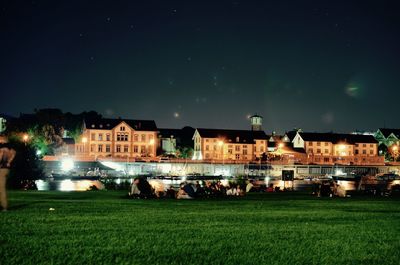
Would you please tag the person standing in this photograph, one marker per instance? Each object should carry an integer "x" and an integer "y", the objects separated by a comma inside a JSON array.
[{"x": 7, "y": 155}]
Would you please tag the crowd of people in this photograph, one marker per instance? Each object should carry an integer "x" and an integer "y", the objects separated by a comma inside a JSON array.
[
  {"x": 141, "y": 188},
  {"x": 327, "y": 188}
]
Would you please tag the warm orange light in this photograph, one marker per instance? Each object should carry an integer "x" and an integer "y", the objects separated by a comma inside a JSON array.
[
  {"x": 25, "y": 137},
  {"x": 220, "y": 143},
  {"x": 280, "y": 145},
  {"x": 394, "y": 148},
  {"x": 84, "y": 140},
  {"x": 342, "y": 147},
  {"x": 151, "y": 141}
]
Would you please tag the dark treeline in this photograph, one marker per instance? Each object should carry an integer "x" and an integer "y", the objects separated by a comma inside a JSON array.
[{"x": 58, "y": 119}]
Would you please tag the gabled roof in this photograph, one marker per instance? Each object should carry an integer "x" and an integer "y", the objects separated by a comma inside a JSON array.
[
  {"x": 387, "y": 132},
  {"x": 291, "y": 134},
  {"x": 337, "y": 138},
  {"x": 108, "y": 124},
  {"x": 233, "y": 136}
]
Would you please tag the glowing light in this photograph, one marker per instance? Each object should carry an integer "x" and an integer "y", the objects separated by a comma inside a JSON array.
[
  {"x": 151, "y": 141},
  {"x": 25, "y": 137},
  {"x": 339, "y": 172},
  {"x": 280, "y": 145},
  {"x": 67, "y": 185},
  {"x": 84, "y": 140},
  {"x": 342, "y": 147},
  {"x": 220, "y": 143},
  {"x": 67, "y": 164},
  {"x": 176, "y": 115},
  {"x": 38, "y": 152}
]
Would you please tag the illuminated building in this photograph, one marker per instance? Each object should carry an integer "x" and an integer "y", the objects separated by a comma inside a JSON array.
[
  {"x": 239, "y": 145},
  {"x": 333, "y": 148},
  {"x": 118, "y": 138}
]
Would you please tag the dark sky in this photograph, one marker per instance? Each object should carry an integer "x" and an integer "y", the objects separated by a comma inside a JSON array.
[{"x": 315, "y": 65}]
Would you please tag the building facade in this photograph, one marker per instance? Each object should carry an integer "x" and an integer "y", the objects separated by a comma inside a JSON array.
[
  {"x": 118, "y": 138},
  {"x": 332, "y": 148},
  {"x": 230, "y": 145}
]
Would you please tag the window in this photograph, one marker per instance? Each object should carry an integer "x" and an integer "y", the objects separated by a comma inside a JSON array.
[
  {"x": 318, "y": 143},
  {"x": 237, "y": 148},
  {"x": 206, "y": 140},
  {"x": 135, "y": 149},
  {"x": 108, "y": 137},
  {"x": 237, "y": 156},
  {"x": 92, "y": 147},
  {"x": 122, "y": 137},
  {"x": 244, "y": 146},
  {"x": 261, "y": 149},
  {"x": 326, "y": 151},
  {"x": 100, "y": 148},
  {"x": 364, "y": 152},
  {"x": 356, "y": 151},
  {"x": 122, "y": 128},
  {"x": 245, "y": 151},
  {"x": 143, "y": 138},
  {"x": 371, "y": 152},
  {"x": 371, "y": 145},
  {"x": 93, "y": 137},
  {"x": 215, "y": 148},
  {"x": 309, "y": 143},
  {"x": 318, "y": 150},
  {"x": 142, "y": 149},
  {"x": 207, "y": 147},
  {"x": 229, "y": 151},
  {"x": 326, "y": 159},
  {"x": 326, "y": 144},
  {"x": 364, "y": 145},
  {"x": 136, "y": 138},
  {"x": 207, "y": 156},
  {"x": 118, "y": 148},
  {"x": 126, "y": 149},
  {"x": 108, "y": 148},
  {"x": 100, "y": 137}
]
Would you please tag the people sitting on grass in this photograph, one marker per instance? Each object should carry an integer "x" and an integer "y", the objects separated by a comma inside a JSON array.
[{"x": 141, "y": 188}]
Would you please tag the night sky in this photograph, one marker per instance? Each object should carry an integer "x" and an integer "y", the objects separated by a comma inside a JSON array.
[{"x": 315, "y": 65}]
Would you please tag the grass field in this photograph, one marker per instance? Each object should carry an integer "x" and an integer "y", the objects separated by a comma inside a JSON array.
[{"x": 106, "y": 228}]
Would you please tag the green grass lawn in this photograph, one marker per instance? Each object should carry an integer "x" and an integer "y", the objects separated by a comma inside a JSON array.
[{"x": 104, "y": 227}]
